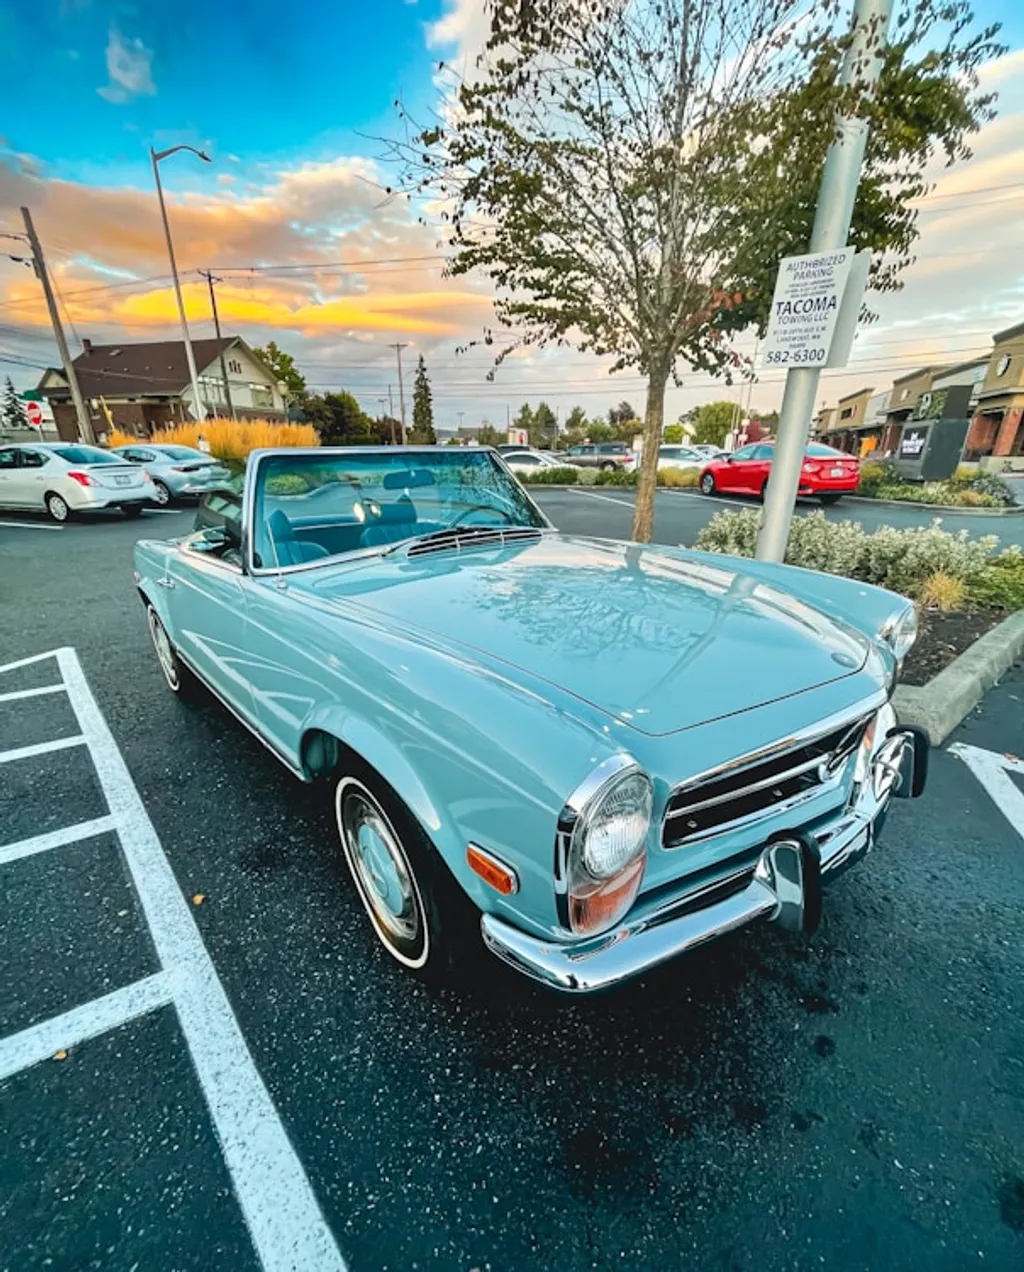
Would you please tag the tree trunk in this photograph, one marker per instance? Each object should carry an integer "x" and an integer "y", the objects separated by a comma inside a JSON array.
[{"x": 643, "y": 515}]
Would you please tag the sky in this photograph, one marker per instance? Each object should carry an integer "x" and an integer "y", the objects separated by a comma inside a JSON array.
[{"x": 292, "y": 103}]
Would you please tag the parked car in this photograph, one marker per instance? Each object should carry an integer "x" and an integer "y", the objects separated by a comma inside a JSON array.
[
  {"x": 671, "y": 456},
  {"x": 608, "y": 456},
  {"x": 178, "y": 472},
  {"x": 708, "y": 451},
  {"x": 530, "y": 460},
  {"x": 62, "y": 478},
  {"x": 570, "y": 749},
  {"x": 826, "y": 472}
]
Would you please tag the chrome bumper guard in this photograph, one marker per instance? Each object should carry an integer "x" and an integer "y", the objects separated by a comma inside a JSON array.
[{"x": 785, "y": 888}]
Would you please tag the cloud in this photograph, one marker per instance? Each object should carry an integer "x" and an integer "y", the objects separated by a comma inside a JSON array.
[{"x": 128, "y": 68}]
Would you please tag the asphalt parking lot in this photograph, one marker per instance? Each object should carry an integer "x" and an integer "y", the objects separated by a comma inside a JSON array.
[{"x": 256, "y": 1086}]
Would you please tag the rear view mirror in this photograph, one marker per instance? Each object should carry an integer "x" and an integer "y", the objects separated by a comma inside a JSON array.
[{"x": 409, "y": 478}]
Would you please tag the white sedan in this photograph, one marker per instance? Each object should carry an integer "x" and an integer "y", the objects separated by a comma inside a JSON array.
[
  {"x": 673, "y": 456},
  {"x": 65, "y": 477},
  {"x": 528, "y": 461}
]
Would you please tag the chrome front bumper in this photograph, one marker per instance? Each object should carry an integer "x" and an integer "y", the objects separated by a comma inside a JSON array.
[{"x": 783, "y": 888}]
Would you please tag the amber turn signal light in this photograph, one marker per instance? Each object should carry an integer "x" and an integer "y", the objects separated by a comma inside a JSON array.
[{"x": 495, "y": 873}]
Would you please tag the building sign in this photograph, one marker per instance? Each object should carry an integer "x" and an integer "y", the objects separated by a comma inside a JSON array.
[
  {"x": 808, "y": 294},
  {"x": 929, "y": 406},
  {"x": 518, "y": 437},
  {"x": 913, "y": 442}
]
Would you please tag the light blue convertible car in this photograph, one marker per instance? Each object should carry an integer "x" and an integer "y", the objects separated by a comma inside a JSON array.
[{"x": 587, "y": 756}]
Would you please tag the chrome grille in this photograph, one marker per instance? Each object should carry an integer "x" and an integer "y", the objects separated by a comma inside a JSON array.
[
  {"x": 457, "y": 539},
  {"x": 759, "y": 785}
]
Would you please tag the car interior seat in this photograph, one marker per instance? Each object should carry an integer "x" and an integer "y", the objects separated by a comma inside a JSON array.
[
  {"x": 287, "y": 549},
  {"x": 395, "y": 522}
]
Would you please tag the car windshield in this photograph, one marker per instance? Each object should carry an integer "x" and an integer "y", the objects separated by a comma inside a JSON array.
[
  {"x": 86, "y": 455},
  {"x": 180, "y": 452},
  {"x": 312, "y": 506}
]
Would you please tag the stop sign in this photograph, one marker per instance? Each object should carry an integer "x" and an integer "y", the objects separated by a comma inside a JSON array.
[{"x": 35, "y": 414}]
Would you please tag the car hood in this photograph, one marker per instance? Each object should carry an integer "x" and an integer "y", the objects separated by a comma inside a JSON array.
[{"x": 659, "y": 639}]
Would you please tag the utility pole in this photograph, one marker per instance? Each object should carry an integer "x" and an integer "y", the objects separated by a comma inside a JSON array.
[
  {"x": 391, "y": 416},
  {"x": 208, "y": 275},
  {"x": 190, "y": 358},
  {"x": 81, "y": 410},
  {"x": 401, "y": 390},
  {"x": 862, "y": 66}
]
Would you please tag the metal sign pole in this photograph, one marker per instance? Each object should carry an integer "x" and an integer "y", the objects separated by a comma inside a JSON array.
[{"x": 862, "y": 67}]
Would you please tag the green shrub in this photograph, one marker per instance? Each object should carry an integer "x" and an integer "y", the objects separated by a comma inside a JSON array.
[
  {"x": 876, "y": 473},
  {"x": 987, "y": 484},
  {"x": 898, "y": 559},
  {"x": 679, "y": 478},
  {"x": 615, "y": 478},
  {"x": 1001, "y": 582},
  {"x": 287, "y": 484},
  {"x": 566, "y": 476},
  {"x": 586, "y": 476}
]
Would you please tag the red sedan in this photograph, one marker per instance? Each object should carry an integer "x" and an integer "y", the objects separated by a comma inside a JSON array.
[{"x": 827, "y": 473}]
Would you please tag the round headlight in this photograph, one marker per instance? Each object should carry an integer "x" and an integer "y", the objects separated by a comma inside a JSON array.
[
  {"x": 616, "y": 825},
  {"x": 610, "y": 819},
  {"x": 900, "y": 632}
]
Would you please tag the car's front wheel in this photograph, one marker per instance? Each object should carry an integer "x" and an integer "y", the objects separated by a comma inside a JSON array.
[
  {"x": 607, "y": 468},
  {"x": 707, "y": 484},
  {"x": 57, "y": 507},
  {"x": 416, "y": 909},
  {"x": 179, "y": 679}
]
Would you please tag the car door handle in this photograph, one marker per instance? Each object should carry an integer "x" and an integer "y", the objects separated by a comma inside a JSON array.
[{"x": 166, "y": 582}]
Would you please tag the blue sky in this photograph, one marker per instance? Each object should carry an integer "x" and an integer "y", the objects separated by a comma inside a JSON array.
[
  {"x": 289, "y": 100},
  {"x": 258, "y": 79}
]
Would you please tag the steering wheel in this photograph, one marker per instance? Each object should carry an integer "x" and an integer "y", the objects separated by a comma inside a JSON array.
[{"x": 502, "y": 512}]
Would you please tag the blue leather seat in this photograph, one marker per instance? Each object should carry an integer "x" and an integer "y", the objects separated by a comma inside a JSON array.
[
  {"x": 287, "y": 549},
  {"x": 396, "y": 522}
]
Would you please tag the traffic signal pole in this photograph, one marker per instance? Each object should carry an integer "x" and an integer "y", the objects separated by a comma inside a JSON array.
[{"x": 862, "y": 66}]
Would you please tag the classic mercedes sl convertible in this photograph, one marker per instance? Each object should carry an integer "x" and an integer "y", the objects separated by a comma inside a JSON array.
[{"x": 588, "y": 756}]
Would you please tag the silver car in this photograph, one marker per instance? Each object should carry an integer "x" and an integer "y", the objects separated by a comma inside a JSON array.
[
  {"x": 66, "y": 477},
  {"x": 178, "y": 472}
]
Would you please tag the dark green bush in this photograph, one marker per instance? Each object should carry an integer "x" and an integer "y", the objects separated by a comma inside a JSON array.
[
  {"x": 567, "y": 476},
  {"x": 615, "y": 478}
]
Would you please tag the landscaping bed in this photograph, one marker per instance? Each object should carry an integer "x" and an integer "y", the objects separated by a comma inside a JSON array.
[
  {"x": 943, "y": 637},
  {"x": 965, "y": 489}
]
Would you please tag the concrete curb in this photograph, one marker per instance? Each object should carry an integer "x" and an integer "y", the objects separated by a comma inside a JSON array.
[
  {"x": 940, "y": 510},
  {"x": 940, "y": 705}
]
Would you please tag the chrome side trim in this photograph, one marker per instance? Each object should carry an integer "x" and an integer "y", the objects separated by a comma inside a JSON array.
[{"x": 277, "y": 754}]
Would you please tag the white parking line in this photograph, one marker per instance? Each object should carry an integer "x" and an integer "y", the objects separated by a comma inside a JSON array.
[
  {"x": 40, "y": 748},
  {"x": 31, "y": 693},
  {"x": 28, "y": 525},
  {"x": 284, "y": 1220},
  {"x": 991, "y": 768},
  {"x": 56, "y": 839},
  {"x": 592, "y": 494},
  {"x": 40, "y": 1042}
]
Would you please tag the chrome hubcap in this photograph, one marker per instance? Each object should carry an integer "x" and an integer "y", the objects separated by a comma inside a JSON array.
[
  {"x": 381, "y": 869},
  {"x": 58, "y": 508},
  {"x": 161, "y": 493},
  {"x": 164, "y": 653}
]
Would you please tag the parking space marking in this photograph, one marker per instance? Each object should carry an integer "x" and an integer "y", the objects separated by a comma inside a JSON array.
[
  {"x": 991, "y": 769},
  {"x": 40, "y": 748},
  {"x": 31, "y": 693},
  {"x": 592, "y": 494},
  {"x": 56, "y": 839},
  {"x": 41, "y": 1042},
  {"x": 28, "y": 525},
  {"x": 283, "y": 1217}
]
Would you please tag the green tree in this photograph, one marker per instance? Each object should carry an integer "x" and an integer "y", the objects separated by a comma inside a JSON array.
[
  {"x": 488, "y": 435},
  {"x": 673, "y": 434},
  {"x": 620, "y": 414},
  {"x": 599, "y": 431},
  {"x": 13, "y": 411},
  {"x": 524, "y": 420},
  {"x": 712, "y": 422},
  {"x": 422, "y": 408},
  {"x": 282, "y": 366},
  {"x": 545, "y": 425},
  {"x": 343, "y": 422},
  {"x": 621, "y": 172}
]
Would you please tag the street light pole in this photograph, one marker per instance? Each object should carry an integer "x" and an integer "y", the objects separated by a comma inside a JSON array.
[
  {"x": 156, "y": 156},
  {"x": 862, "y": 66},
  {"x": 401, "y": 389}
]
